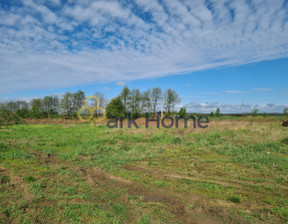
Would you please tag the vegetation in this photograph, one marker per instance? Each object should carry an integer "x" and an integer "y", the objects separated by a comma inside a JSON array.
[
  {"x": 217, "y": 113},
  {"x": 135, "y": 102},
  {"x": 254, "y": 112},
  {"x": 116, "y": 109},
  {"x": 285, "y": 112},
  {"x": 9, "y": 118},
  {"x": 182, "y": 112},
  {"x": 70, "y": 173}
]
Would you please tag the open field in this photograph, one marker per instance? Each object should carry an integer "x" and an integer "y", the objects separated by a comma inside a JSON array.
[{"x": 235, "y": 171}]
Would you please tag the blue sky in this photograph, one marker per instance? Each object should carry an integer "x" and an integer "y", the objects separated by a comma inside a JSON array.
[{"x": 227, "y": 54}]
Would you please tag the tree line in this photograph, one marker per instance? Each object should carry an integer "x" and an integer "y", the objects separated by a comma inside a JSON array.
[
  {"x": 48, "y": 106},
  {"x": 129, "y": 100},
  {"x": 137, "y": 103}
]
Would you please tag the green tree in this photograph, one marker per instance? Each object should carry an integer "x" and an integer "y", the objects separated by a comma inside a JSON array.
[
  {"x": 66, "y": 104},
  {"x": 116, "y": 108},
  {"x": 171, "y": 99},
  {"x": 155, "y": 97},
  {"x": 285, "y": 111},
  {"x": 217, "y": 113},
  {"x": 124, "y": 95},
  {"x": 146, "y": 101},
  {"x": 50, "y": 105},
  {"x": 254, "y": 112},
  {"x": 78, "y": 99},
  {"x": 13, "y": 106},
  {"x": 182, "y": 112},
  {"x": 135, "y": 103},
  {"x": 36, "y": 108},
  {"x": 23, "y": 112}
]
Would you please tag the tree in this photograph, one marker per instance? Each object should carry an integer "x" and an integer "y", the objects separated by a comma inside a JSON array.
[
  {"x": 146, "y": 101},
  {"x": 102, "y": 102},
  {"x": 171, "y": 98},
  {"x": 36, "y": 108},
  {"x": 23, "y": 110},
  {"x": 217, "y": 113},
  {"x": 13, "y": 106},
  {"x": 67, "y": 104},
  {"x": 116, "y": 108},
  {"x": 285, "y": 111},
  {"x": 134, "y": 103},
  {"x": 254, "y": 112},
  {"x": 3, "y": 106},
  {"x": 24, "y": 113},
  {"x": 50, "y": 105},
  {"x": 155, "y": 98},
  {"x": 125, "y": 96},
  {"x": 212, "y": 114},
  {"x": 78, "y": 99},
  {"x": 182, "y": 112}
]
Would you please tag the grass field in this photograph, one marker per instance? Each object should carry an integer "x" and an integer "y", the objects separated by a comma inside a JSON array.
[{"x": 235, "y": 171}]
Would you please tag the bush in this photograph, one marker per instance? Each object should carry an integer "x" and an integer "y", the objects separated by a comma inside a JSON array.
[
  {"x": 9, "y": 118},
  {"x": 254, "y": 112},
  {"x": 182, "y": 112},
  {"x": 115, "y": 108},
  {"x": 234, "y": 199},
  {"x": 4, "y": 179},
  {"x": 29, "y": 179}
]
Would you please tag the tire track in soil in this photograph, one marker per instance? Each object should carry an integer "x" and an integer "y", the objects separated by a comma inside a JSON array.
[{"x": 176, "y": 203}]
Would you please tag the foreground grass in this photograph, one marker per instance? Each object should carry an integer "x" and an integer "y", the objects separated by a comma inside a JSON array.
[{"x": 235, "y": 171}]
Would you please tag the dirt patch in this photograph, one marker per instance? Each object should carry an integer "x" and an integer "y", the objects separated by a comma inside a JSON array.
[{"x": 175, "y": 203}]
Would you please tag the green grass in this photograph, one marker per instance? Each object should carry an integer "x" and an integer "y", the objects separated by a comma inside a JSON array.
[
  {"x": 145, "y": 175},
  {"x": 234, "y": 199}
]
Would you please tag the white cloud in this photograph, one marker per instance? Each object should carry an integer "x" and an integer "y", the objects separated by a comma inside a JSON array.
[
  {"x": 235, "y": 108},
  {"x": 105, "y": 88},
  {"x": 235, "y": 91},
  {"x": 262, "y": 90},
  {"x": 188, "y": 85},
  {"x": 120, "y": 83},
  {"x": 210, "y": 93},
  {"x": 82, "y": 42}
]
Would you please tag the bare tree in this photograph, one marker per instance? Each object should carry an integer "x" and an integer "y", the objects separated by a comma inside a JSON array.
[
  {"x": 103, "y": 101},
  {"x": 146, "y": 101},
  {"x": 155, "y": 98}
]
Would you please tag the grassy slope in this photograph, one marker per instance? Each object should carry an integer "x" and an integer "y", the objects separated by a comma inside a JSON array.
[{"x": 235, "y": 171}]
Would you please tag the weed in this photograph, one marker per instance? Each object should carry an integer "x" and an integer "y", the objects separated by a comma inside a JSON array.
[
  {"x": 29, "y": 179},
  {"x": 4, "y": 179},
  {"x": 234, "y": 199}
]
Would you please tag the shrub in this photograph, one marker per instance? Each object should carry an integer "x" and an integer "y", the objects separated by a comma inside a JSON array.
[
  {"x": 254, "y": 112},
  {"x": 9, "y": 118},
  {"x": 4, "y": 179},
  {"x": 235, "y": 199},
  {"x": 182, "y": 112},
  {"x": 115, "y": 108},
  {"x": 29, "y": 179}
]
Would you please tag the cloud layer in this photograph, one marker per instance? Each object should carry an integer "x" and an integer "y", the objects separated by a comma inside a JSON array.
[
  {"x": 56, "y": 44},
  {"x": 235, "y": 108}
]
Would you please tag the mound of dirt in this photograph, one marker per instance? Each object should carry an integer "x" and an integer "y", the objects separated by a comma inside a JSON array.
[{"x": 9, "y": 118}]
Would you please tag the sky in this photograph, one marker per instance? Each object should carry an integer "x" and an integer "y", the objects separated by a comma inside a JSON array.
[{"x": 214, "y": 53}]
